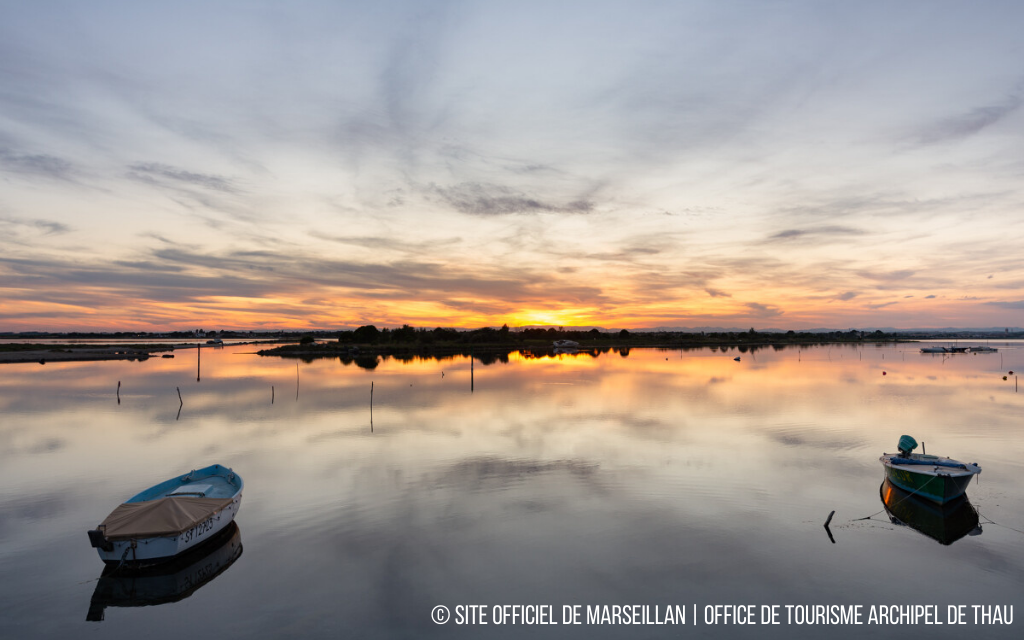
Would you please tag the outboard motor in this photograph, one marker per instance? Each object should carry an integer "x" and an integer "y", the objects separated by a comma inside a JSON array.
[{"x": 906, "y": 446}]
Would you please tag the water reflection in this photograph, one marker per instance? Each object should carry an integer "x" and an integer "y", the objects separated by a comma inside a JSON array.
[
  {"x": 570, "y": 478},
  {"x": 945, "y": 523},
  {"x": 169, "y": 582}
]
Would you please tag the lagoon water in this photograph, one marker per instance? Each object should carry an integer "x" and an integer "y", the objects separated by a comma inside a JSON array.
[{"x": 653, "y": 477}]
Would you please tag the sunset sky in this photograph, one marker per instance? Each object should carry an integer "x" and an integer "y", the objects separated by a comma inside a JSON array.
[{"x": 623, "y": 164}]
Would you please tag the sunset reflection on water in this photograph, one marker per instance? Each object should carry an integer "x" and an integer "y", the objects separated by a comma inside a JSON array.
[{"x": 649, "y": 475}]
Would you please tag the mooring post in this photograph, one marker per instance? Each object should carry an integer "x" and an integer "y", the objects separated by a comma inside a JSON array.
[
  {"x": 371, "y": 406},
  {"x": 271, "y": 394},
  {"x": 118, "y": 392},
  {"x": 827, "y": 530},
  {"x": 199, "y": 360},
  {"x": 180, "y": 401}
]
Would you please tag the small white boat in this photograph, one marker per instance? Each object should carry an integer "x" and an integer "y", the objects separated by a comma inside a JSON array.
[
  {"x": 169, "y": 518},
  {"x": 566, "y": 344},
  {"x": 932, "y": 477}
]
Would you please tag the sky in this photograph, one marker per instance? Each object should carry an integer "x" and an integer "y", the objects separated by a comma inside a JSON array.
[{"x": 767, "y": 164}]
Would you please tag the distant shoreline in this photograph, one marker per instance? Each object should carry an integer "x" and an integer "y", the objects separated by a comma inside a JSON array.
[{"x": 436, "y": 343}]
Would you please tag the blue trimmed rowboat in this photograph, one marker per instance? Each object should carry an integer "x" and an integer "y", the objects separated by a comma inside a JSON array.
[
  {"x": 169, "y": 518},
  {"x": 932, "y": 477}
]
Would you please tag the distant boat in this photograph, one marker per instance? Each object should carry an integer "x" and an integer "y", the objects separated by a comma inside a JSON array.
[
  {"x": 566, "y": 344},
  {"x": 982, "y": 349},
  {"x": 169, "y": 518},
  {"x": 944, "y": 350},
  {"x": 737, "y": 358},
  {"x": 215, "y": 341},
  {"x": 932, "y": 477}
]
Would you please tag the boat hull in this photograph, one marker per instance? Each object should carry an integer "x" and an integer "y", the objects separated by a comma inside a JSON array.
[
  {"x": 145, "y": 551},
  {"x": 939, "y": 488}
]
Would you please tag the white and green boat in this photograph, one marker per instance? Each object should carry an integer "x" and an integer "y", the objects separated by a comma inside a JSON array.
[{"x": 932, "y": 477}]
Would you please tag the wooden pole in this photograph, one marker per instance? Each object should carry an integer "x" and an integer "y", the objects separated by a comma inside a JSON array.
[
  {"x": 199, "y": 360},
  {"x": 118, "y": 392},
  {"x": 271, "y": 394},
  {"x": 180, "y": 401},
  {"x": 371, "y": 406},
  {"x": 296, "y": 381}
]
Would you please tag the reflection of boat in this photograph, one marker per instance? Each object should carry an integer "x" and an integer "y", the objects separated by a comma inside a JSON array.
[
  {"x": 945, "y": 523},
  {"x": 935, "y": 478},
  {"x": 169, "y": 518},
  {"x": 168, "y": 582}
]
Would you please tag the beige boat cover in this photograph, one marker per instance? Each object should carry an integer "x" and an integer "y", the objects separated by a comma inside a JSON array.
[{"x": 162, "y": 517}]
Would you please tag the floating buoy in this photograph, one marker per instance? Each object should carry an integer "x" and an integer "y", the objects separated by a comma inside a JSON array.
[
  {"x": 1011, "y": 373},
  {"x": 883, "y": 373},
  {"x": 1004, "y": 377}
]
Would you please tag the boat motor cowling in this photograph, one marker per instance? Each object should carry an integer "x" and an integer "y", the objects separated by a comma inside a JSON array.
[
  {"x": 99, "y": 541},
  {"x": 906, "y": 445}
]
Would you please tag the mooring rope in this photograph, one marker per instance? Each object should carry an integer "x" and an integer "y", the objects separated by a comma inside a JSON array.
[{"x": 887, "y": 507}]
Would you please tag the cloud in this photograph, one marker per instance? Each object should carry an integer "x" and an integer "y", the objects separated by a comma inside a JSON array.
[
  {"x": 759, "y": 310},
  {"x": 818, "y": 234},
  {"x": 881, "y": 305},
  {"x": 715, "y": 293},
  {"x": 38, "y": 164},
  {"x": 494, "y": 200},
  {"x": 48, "y": 227},
  {"x": 968, "y": 124},
  {"x": 1011, "y": 304},
  {"x": 929, "y": 297},
  {"x": 154, "y": 172},
  {"x": 849, "y": 295},
  {"x": 886, "y": 276}
]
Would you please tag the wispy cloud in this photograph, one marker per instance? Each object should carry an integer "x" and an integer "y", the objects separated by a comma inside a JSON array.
[
  {"x": 495, "y": 200},
  {"x": 156, "y": 173},
  {"x": 816, "y": 234},
  {"x": 1007, "y": 304},
  {"x": 44, "y": 165},
  {"x": 969, "y": 123},
  {"x": 759, "y": 310}
]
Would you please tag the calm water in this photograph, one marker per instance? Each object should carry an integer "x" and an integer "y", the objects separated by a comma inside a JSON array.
[{"x": 657, "y": 477}]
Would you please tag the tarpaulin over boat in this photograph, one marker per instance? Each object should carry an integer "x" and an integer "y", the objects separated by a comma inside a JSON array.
[{"x": 163, "y": 517}]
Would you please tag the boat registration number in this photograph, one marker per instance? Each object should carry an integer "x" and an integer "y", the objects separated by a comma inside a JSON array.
[{"x": 198, "y": 530}]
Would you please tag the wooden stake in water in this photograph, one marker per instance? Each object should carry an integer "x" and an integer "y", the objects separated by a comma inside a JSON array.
[
  {"x": 296, "y": 381},
  {"x": 118, "y": 392},
  {"x": 199, "y": 359},
  {"x": 271, "y": 394},
  {"x": 180, "y": 401},
  {"x": 371, "y": 406}
]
